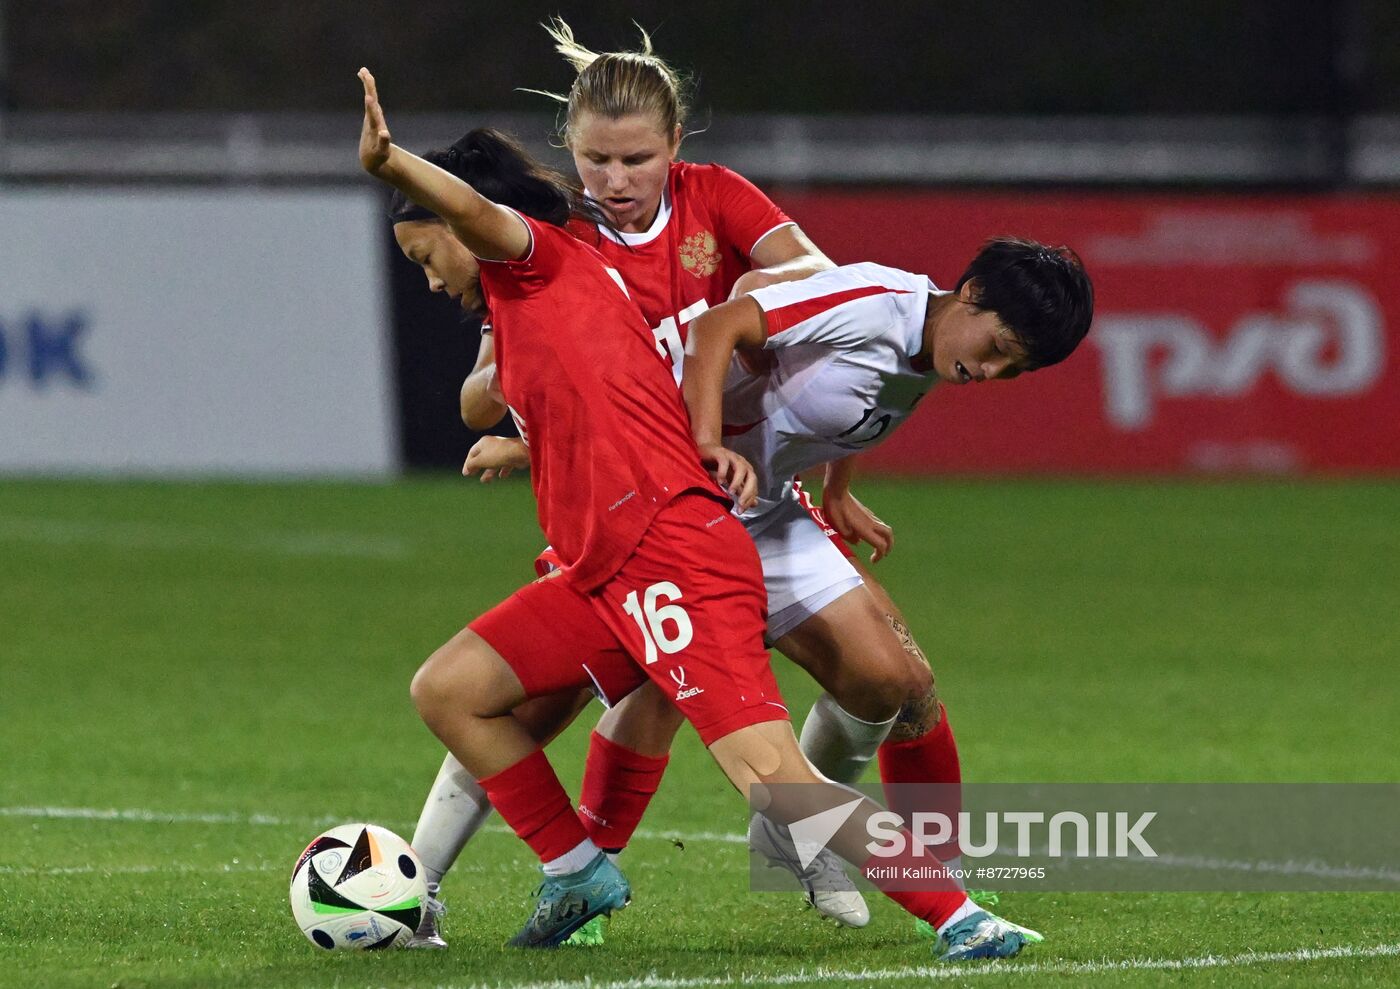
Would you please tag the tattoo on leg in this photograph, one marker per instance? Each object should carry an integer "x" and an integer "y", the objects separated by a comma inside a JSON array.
[
  {"x": 917, "y": 717},
  {"x": 906, "y": 639}
]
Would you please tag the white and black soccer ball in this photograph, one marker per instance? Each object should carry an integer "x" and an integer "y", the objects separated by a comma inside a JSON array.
[{"x": 358, "y": 887}]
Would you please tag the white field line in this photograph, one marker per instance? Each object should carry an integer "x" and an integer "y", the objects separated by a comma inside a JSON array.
[
  {"x": 143, "y": 816},
  {"x": 1321, "y": 870},
  {"x": 218, "y": 868},
  {"x": 1190, "y": 862},
  {"x": 961, "y": 973},
  {"x": 156, "y": 536},
  {"x": 139, "y": 870}
]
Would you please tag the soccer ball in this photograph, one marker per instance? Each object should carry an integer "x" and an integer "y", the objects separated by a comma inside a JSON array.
[{"x": 358, "y": 886}]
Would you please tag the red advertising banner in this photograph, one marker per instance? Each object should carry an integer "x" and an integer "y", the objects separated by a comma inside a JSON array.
[{"x": 1239, "y": 333}]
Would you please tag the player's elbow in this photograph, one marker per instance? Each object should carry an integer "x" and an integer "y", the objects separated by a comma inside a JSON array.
[
  {"x": 481, "y": 416},
  {"x": 733, "y": 324}
]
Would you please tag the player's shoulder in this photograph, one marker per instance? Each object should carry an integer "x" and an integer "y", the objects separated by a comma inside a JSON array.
[
  {"x": 706, "y": 178},
  {"x": 862, "y": 280},
  {"x": 879, "y": 275},
  {"x": 550, "y": 239}
]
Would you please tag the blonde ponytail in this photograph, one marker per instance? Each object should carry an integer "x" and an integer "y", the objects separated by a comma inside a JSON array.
[{"x": 618, "y": 84}]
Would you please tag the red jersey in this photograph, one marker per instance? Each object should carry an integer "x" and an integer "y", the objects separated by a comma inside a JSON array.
[
  {"x": 701, "y": 241},
  {"x": 609, "y": 437}
]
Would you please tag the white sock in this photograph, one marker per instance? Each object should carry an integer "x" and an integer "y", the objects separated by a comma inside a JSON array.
[
  {"x": 838, "y": 743},
  {"x": 961, "y": 913},
  {"x": 454, "y": 811},
  {"x": 574, "y": 860}
]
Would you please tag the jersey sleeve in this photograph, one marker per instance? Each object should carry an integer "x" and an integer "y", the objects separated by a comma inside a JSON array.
[
  {"x": 745, "y": 214},
  {"x": 542, "y": 248},
  {"x": 841, "y": 308}
]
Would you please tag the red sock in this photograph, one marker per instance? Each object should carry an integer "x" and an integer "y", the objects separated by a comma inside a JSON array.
[
  {"x": 933, "y": 758},
  {"x": 931, "y": 899},
  {"x": 530, "y": 798},
  {"x": 618, "y": 783}
]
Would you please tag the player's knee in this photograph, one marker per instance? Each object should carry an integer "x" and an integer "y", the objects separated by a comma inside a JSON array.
[
  {"x": 917, "y": 717},
  {"x": 918, "y": 682},
  {"x": 882, "y": 685},
  {"x": 448, "y": 682},
  {"x": 428, "y": 690}
]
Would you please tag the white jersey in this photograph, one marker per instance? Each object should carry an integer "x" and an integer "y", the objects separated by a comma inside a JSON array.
[{"x": 843, "y": 381}]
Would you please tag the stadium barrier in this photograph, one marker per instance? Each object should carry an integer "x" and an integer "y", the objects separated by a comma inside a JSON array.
[
  {"x": 204, "y": 331},
  {"x": 1231, "y": 333},
  {"x": 200, "y": 331}
]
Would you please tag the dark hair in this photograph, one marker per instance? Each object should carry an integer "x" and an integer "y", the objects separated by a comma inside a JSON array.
[
  {"x": 1041, "y": 294},
  {"x": 495, "y": 165}
]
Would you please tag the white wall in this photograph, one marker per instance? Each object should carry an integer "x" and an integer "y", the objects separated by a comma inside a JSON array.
[{"x": 217, "y": 332}]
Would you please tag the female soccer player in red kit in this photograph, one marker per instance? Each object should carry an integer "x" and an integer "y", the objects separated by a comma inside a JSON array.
[
  {"x": 687, "y": 237},
  {"x": 658, "y": 582}
]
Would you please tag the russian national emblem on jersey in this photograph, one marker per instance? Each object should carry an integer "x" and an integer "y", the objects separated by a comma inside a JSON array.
[{"x": 700, "y": 254}]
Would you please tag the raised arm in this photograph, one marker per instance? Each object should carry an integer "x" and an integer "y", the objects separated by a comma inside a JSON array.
[
  {"x": 483, "y": 405},
  {"x": 488, "y": 231}
]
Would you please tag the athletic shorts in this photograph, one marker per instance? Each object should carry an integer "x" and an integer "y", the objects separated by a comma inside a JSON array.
[
  {"x": 815, "y": 510},
  {"x": 806, "y": 564},
  {"x": 802, "y": 569},
  {"x": 686, "y": 610}
]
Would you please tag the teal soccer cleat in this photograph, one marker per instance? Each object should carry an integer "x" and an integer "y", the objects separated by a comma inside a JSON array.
[
  {"x": 590, "y": 935},
  {"x": 981, "y": 935},
  {"x": 984, "y": 899},
  {"x": 565, "y": 903}
]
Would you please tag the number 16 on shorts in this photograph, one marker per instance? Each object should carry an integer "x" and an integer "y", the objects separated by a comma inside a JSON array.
[{"x": 665, "y": 626}]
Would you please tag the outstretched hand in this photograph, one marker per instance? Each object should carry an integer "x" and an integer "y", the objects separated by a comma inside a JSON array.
[
  {"x": 857, "y": 524},
  {"x": 734, "y": 474},
  {"x": 375, "y": 143}
]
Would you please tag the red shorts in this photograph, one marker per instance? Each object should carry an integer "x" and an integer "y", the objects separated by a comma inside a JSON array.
[
  {"x": 815, "y": 510},
  {"x": 687, "y": 610}
]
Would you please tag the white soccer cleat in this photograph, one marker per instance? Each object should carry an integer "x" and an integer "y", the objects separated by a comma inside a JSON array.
[
  {"x": 828, "y": 887},
  {"x": 427, "y": 936}
]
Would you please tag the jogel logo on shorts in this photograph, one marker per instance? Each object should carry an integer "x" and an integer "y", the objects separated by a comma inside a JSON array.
[{"x": 682, "y": 690}]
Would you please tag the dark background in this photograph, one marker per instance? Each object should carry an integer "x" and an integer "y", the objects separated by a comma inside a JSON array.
[
  {"x": 1187, "y": 57},
  {"x": 435, "y": 345}
]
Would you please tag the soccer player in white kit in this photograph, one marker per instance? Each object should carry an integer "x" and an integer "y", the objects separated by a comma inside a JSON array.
[{"x": 855, "y": 349}]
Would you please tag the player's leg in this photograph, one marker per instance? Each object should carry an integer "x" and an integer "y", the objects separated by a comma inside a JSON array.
[
  {"x": 825, "y": 621},
  {"x": 845, "y": 648},
  {"x": 467, "y": 693},
  {"x": 627, "y": 755},
  {"x": 689, "y": 606},
  {"x": 763, "y": 760},
  {"x": 848, "y": 648},
  {"x": 921, "y": 748},
  {"x": 855, "y": 642},
  {"x": 457, "y": 806}
]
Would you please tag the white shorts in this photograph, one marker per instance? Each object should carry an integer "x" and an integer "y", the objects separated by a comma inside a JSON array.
[{"x": 802, "y": 569}]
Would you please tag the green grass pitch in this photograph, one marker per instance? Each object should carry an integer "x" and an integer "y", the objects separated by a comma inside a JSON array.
[{"x": 196, "y": 678}]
